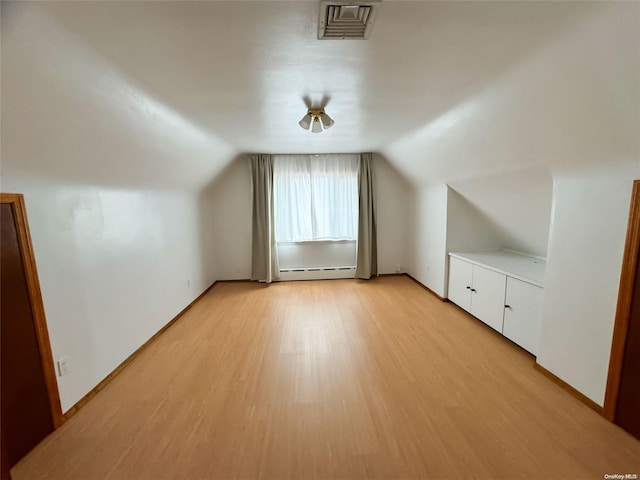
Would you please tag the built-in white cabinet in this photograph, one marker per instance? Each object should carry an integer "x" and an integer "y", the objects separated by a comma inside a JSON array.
[
  {"x": 503, "y": 289},
  {"x": 487, "y": 296},
  {"x": 523, "y": 314},
  {"x": 478, "y": 290},
  {"x": 460, "y": 278}
]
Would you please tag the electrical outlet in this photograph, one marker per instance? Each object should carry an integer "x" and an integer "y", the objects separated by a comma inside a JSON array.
[{"x": 64, "y": 366}]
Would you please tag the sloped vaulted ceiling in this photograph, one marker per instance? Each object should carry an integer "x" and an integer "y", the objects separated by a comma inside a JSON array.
[
  {"x": 436, "y": 87},
  {"x": 575, "y": 103}
]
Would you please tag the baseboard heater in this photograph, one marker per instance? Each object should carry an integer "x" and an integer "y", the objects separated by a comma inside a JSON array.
[{"x": 317, "y": 273}]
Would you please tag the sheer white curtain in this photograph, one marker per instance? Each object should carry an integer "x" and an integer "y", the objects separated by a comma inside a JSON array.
[
  {"x": 315, "y": 197},
  {"x": 292, "y": 198}
]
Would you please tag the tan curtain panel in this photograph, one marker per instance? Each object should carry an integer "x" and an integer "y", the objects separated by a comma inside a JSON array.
[
  {"x": 367, "y": 256},
  {"x": 264, "y": 257}
]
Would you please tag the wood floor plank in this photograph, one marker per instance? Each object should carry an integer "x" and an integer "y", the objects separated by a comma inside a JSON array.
[{"x": 331, "y": 379}]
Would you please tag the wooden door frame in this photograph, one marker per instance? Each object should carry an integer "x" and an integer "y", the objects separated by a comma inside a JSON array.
[
  {"x": 16, "y": 200},
  {"x": 623, "y": 311}
]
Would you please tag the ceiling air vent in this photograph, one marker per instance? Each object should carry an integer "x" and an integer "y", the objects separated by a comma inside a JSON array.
[{"x": 343, "y": 21}]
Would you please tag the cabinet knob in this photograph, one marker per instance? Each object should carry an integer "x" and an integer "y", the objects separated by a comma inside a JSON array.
[
  {"x": 473, "y": 289},
  {"x": 508, "y": 306},
  {"x": 468, "y": 287}
]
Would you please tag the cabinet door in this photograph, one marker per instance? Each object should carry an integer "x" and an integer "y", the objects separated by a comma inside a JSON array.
[
  {"x": 460, "y": 282},
  {"x": 487, "y": 296},
  {"x": 523, "y": 314}
]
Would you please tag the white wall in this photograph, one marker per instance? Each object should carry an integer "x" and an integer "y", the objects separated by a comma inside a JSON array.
[
  {"x": 231, "y": 195},
  {"x": 430, "y": 214},
  {"x": 468, "y": 228},
  {"x": 110, "y": 175},
  {"x": 115, "y": 265},
  {"x": 394, "y": 198},
  {"x": 515, "y": 207},
  {"x": 487, "y": 217},
  {"x": 573, "y": 103},
  {"x": 588, "y": 232},
  {"x": 70, "y": 114},
  {"x": 446, "y": 221}
]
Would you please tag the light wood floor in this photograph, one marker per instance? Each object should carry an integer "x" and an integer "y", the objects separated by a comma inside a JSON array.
[{"x": 335, "y": 379}]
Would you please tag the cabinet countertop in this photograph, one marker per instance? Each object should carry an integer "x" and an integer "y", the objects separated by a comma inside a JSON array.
[{"x": 523, "y": 267}]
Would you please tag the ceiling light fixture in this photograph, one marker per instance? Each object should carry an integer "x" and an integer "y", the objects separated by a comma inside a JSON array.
[{"x": 317, "y": 120}]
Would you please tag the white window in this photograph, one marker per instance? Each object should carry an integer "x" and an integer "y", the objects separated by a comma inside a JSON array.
[{"x": 315, "y": 197}]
